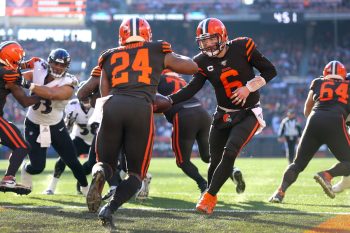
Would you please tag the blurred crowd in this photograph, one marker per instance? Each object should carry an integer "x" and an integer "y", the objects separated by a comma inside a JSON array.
[{"x": 214, "y": 6}]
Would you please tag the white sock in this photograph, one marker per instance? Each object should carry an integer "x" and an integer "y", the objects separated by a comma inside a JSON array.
[
  {"x": 53, "y": 184},
  {"x": 26, "y": 178},
  {"x": 84, "y": 190}
]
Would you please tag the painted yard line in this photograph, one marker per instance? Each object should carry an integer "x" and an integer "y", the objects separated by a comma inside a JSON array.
[{"x": 180, "y": 210}]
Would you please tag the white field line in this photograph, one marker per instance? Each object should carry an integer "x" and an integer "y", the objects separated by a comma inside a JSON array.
[{"x": 150, "y": 209}]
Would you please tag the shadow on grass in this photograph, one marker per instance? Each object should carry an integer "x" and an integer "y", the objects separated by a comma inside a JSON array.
[
  {"x": 62, "y": 202},
  {"x": 163, "y": 202},
  {"x": 142, "y": 220}
]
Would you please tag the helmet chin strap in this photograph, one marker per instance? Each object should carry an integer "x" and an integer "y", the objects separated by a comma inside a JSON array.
[
  {"x": 214, "y": 53},
  {"x": 55, "y": 75}
]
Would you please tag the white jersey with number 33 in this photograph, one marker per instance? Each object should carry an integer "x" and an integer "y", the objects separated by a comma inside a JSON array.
[{"x": 48, "y": 112}]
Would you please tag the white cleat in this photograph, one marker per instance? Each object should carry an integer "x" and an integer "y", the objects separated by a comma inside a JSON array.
[{"x": 343, "y": 184}]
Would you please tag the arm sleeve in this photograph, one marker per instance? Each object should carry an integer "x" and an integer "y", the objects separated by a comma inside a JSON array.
[
  {"x": 266, "y": 68},
  {"x": 190, "y": 89},
  {"x": 11, "y": 76}
]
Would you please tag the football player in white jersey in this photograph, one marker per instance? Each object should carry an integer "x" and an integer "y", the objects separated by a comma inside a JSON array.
[
  {"x": 77, "y": 114},
  {"x": 44, "y": 122}
]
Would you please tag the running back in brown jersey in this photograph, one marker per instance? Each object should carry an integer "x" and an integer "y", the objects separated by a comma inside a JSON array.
[
  {"x": 129, "y": 81},
  {"x": 135, "y": 68}
]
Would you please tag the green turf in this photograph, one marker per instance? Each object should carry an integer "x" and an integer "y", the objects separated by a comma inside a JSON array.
[{"x": 170, "y": 207}]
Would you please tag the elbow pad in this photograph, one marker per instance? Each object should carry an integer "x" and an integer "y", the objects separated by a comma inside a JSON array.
[{"x": 255, "y": 84}]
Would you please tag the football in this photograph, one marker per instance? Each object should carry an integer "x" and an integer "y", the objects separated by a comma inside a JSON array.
[{"x": 161, "y": 104}]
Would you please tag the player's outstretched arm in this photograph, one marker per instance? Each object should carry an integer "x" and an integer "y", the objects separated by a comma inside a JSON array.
[
  {"x": 21, "y": 96},
  {"x": 53, "y": 93},
  {"x": 104, "y": 84},
  {"x": 89, "y": 87},
  {"x": 180, "y": 64}
]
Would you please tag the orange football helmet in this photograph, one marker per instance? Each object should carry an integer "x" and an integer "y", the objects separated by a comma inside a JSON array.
[
  {"x": 11, "y": 54},
  {"x": 334, "y": 69},
  {"x": 134, "y": 29},
  {"x": 207, "y": 30}
]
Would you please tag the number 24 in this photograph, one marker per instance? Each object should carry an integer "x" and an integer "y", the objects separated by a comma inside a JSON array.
[{"x": 141, "y": 63}]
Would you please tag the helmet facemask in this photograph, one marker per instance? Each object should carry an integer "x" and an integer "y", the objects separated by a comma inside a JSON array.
[
  {"x": 85, "y": 103},
  {"x": 58, "y": 70},
  {"x": 210, "y": 44}
]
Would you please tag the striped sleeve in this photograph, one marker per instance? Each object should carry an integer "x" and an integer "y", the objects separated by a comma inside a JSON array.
[
  {"x": 250, "y": 46},
  {"x": 166, "y": 47},
  {"x": 96, "y": 71},
  {"x": 10, "y": 75},
  {"x": 103, "y": 57}
]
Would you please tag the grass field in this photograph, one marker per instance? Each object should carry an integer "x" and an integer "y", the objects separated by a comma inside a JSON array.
[{"x": 170, "y": 207}]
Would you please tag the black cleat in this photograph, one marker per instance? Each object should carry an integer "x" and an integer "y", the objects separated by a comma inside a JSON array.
[
  {"x": 106, "y": 216},
  {"x": 18, "y": 189},
  {"x": 325, "y": 183},
  {"x": 93, "y": 198},
  {"x": 238, "y": 180},
  {"x": 109, "y": 194}
]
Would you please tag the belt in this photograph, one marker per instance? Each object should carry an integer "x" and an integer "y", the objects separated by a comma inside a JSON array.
[{"x": 236, "y": 110}]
